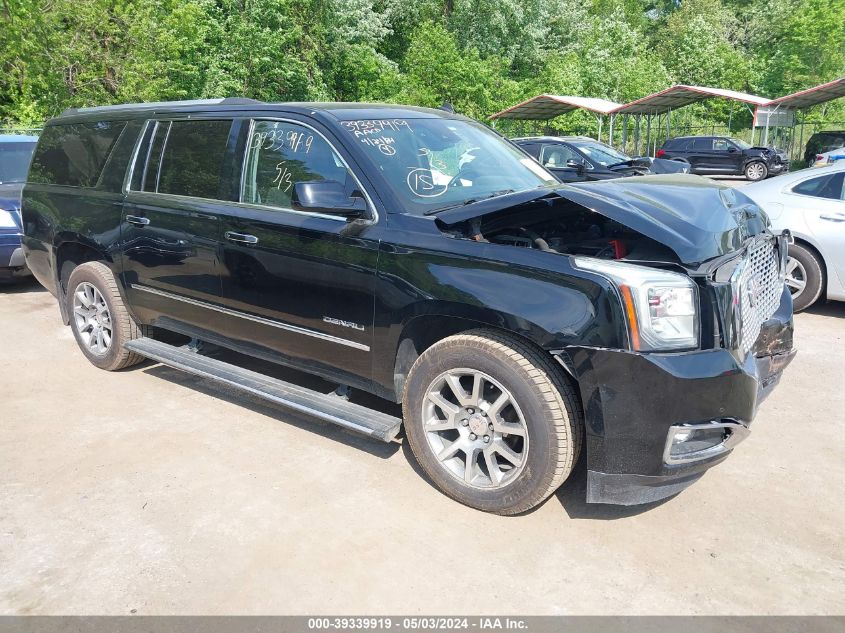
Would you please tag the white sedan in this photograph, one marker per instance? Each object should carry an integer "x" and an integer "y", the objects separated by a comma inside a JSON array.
[{"x": 811, "y": 204}]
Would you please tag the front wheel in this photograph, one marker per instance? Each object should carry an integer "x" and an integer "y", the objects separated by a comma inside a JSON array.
[
  {"x": 492, "y": 421},
  {"x": 804, "y": 277},
  {"x": 756, "y": 171}
]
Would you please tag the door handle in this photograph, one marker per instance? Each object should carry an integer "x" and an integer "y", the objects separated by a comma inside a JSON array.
[
  {"x": 137, "y": 220},
  {"x": 241, "y": 238},
  {"x": 833, "y": 217}
]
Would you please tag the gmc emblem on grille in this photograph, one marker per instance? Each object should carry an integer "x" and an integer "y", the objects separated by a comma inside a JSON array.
[{"x": 753, "y": 289}]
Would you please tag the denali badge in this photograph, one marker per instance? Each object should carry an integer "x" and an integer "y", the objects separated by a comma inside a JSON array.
[{"x": 333, "y": 321}]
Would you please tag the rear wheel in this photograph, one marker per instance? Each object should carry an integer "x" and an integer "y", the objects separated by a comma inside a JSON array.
[
  {"x": 756, "y": 171},
  {"x": 99, "y": 320},
  {"x": 804, "y": 276},
  {"x": 492, "y": 421}
]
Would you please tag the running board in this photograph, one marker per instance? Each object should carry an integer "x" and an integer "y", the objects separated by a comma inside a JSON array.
[{"x": 329, "y": 408}]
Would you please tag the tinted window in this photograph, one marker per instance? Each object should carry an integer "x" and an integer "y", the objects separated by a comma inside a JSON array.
[
  {"x": 830, "y": 186},
  {"x": 720, "y": 145},
  {"x": 14, "y": 161},
  {"x": 702, "y": 144},
  {"x": 74, "y": 154},
  {"x": 557, "y": 155},
  {"x": 192, "y": 160},
  {"x": 280, "y": 155},
  {"x": 150, "y": 173}
]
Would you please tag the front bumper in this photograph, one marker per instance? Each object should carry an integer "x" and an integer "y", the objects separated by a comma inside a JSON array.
[{"x": 633, "y": 400}]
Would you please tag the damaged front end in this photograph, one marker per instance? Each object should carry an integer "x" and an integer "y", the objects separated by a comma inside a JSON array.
[{"x": 700, "y": 281}]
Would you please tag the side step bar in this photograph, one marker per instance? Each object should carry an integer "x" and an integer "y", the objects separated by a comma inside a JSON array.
[{"x": 329, "y": 408}]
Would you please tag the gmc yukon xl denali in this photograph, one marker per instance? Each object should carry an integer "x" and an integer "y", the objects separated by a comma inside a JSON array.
[{"x": 419, "y": 256}]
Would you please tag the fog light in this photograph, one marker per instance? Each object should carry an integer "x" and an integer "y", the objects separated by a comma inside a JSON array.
[{"x": 692, "y": 442}]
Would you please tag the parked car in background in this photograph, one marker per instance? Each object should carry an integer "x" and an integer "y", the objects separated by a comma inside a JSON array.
[
  {"x": 580, "y": 158},
  {"x": 417, "y": 255},
  {"x": 811, "y": 204},
  {"x": 15, "y": 155},
  {"x": 829, "y": 157},
  {"x": 821, "y": 143},
  {"x": 720, "y": 155}
]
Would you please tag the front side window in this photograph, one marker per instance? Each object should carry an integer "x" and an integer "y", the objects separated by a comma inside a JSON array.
[
  {"x": 281, "y": 154},
  {"x": 556, "y": 156},
  {"x": 435, "y": 163},
  {"x": 720, "y": 144},
  {"x": 831, "y": 187}
]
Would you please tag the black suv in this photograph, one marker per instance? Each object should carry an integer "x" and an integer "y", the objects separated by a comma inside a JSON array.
[
  {"x": 721, "y": 155},
  {"x": 419, "y": 256},
  {"x": 821, "y": 143}
]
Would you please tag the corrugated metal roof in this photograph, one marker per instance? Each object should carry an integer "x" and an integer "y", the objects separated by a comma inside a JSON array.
[
  {"x": 682, "y": 95},
  {"x": 812, "y": 96},
  {"x": 545, "y": 106}
]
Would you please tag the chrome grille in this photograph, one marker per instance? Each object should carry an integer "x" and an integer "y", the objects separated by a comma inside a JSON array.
[{"x": 757, "y": 290}]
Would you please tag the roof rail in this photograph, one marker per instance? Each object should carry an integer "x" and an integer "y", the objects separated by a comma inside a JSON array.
[{"x": 162, "y": 104}]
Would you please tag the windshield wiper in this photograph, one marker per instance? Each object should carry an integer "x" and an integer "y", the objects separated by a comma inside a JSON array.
[{"x": 495, "y": 194}]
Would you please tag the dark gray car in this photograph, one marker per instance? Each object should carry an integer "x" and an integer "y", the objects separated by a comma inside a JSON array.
[{"x": 15, "y": 155}]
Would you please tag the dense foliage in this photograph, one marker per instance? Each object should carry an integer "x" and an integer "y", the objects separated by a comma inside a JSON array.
[{"x": 479, "y": 55}]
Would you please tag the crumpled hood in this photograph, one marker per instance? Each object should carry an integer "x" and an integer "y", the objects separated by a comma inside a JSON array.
[{"x": 695, "y": 217}]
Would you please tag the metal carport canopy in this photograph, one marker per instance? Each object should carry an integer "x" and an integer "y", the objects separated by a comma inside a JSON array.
[
  {"x": 812, "y": 96},
  {"x": 543, "y": 107},
  {"x": 680, "y": 96}
]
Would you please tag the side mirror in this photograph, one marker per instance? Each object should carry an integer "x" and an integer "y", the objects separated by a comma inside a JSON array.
[
  {"x": 732, "y": 150},
  {"x": 327, "y": 196},
  {"x": 576, "y": 164}
]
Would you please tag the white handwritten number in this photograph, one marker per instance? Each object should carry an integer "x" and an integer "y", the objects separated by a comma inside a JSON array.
[
  {"x": 421, "y": 183},
  {"x": 283, "y": 177}
]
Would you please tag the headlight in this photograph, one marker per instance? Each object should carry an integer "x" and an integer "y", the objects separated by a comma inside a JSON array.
[
  {"x": 661, "y": 307},
  {"x": 7, "y": 220}
]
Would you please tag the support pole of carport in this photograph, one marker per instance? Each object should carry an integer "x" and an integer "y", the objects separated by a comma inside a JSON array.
[
  {"x": 624, "y": 132},
  {"x": 801, "y": 140},
  {"x": 669, "y": 124},
  {"x": 610, "y": 132},
  {"x": 601, "y": 121},
  {"x": 637, "y": 133},
  {"x": 648, "y": 135}
]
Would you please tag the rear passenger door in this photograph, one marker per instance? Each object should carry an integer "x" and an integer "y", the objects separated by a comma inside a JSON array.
[
  {"x": 299, "y": 283},
  {"x": 171, "y": 224}
]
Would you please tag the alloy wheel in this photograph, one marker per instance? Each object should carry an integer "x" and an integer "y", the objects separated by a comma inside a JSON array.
[
  {"x": 755, "y": 171},
  {"x": 796, "y": 277},
  {"x": 92, "y": 317},
  {"x": 475, "y": 428}
]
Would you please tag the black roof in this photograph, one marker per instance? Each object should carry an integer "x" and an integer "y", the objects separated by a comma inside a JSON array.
[{"x": 337, "y": 111}]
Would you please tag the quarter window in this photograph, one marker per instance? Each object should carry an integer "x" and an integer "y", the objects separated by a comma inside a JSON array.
[
  {"x": 74, "y": 154},
  {"x": 831, "y": 186},
  {"x": 281, "y": 154}
]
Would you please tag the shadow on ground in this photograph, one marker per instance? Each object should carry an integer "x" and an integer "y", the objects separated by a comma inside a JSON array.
[{"x": 21, "y": 286}]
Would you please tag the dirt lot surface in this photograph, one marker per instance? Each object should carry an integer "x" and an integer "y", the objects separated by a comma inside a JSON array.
[{"x": 153, "y": 492}]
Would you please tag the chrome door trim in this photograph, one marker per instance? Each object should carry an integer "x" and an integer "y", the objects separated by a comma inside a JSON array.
[{"x": 257, "y": 319}]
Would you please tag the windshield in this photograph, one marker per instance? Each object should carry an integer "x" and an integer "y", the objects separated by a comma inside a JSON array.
[
  {"x": 14, "y": 161},
  {"x": 600, "y": 153},
  {"x": 432, "y": 164},
  {"x": 740, "y": 144}
]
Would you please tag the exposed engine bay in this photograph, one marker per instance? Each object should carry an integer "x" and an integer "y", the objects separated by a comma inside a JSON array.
[{"x": 569, "y": 229}]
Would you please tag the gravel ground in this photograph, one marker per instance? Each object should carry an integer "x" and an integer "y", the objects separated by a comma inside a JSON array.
[{"x": 148, "y": 491}]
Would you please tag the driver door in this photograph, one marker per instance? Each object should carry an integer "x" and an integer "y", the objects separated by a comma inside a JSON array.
[{"x": 297, "y": 282}]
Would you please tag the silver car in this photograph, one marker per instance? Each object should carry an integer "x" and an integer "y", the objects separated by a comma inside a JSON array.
[{"x": 811, "y": 204}]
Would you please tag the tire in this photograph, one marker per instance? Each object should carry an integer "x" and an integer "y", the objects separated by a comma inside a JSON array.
[
  {"x": 756, "y": 171},
  {"x": 804, "y": 266},
  {"x": 94, "y": 283},
  {"x": 533, "y": 441}
]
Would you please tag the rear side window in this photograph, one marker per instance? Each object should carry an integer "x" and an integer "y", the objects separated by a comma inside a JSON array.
[
  {"x": 702, "y": 144},
  {"x": 185, "y": 158},
  {"x": 193, "y": 156},
  {"x": 830, "y": 187},
  {"x": 74, "y": 154}
]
